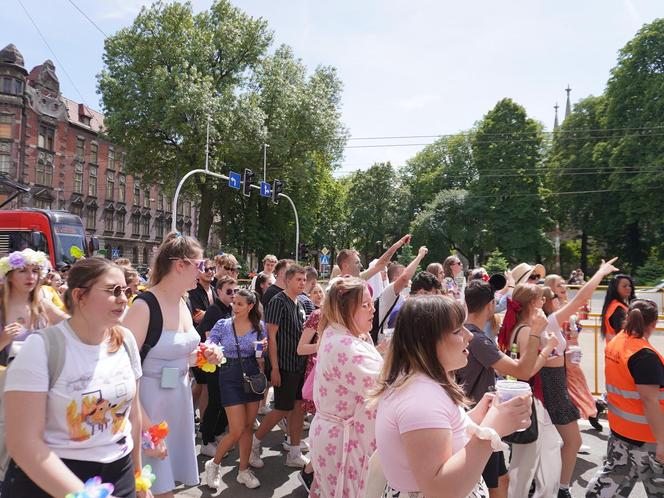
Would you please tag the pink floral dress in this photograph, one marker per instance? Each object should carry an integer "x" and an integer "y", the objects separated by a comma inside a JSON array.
[{"x": 342, "y": 433}]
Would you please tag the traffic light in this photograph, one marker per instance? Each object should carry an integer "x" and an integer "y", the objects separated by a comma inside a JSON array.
[
  {"x": 247, "y": 180},
  {"x": 277, "y": 188}
]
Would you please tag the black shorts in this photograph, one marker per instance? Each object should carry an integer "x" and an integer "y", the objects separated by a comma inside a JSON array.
[
  {"x": 289, "y": 391},
  {"x": 494, "y": 469},
  {"x": 119, "y": 473},
  {"x": 199, "y": 376}
]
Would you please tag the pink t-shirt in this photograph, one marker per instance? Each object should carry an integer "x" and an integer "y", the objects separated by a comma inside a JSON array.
[{"x": 420, "y": 404}]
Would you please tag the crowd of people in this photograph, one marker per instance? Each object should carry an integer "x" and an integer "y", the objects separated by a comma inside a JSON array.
[{"x": 387, "y": 381}]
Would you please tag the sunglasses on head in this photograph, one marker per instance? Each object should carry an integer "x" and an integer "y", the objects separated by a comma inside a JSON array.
[
  {"x": 118, "y": 290},
  {"x": 534, "y": 276}
]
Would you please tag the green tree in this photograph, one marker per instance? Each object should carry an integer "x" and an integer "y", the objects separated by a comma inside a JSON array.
[
  {"x": 496, "y": 263},
  {"x": 507, "y": 153},
  {"x": 635, "y": 110}
]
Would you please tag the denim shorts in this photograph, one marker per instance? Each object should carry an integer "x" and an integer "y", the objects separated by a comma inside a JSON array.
[{"x": 231, "y": 383}]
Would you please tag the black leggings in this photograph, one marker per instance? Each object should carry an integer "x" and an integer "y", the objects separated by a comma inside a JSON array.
[
  {"x": 214, "y": 419},
  {"x": 119, "y": 473}
]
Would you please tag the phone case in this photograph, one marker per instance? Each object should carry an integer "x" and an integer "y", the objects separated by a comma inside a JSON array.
[{"x": 169, "y": 377}]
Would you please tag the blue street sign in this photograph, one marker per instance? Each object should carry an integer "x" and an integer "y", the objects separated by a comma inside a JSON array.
[
  {"x": 266, "y": 189},
  {"x": 234, "y": 180},
  {"x": 115, "y": 253},
  {"x": 324, "y": 259}
]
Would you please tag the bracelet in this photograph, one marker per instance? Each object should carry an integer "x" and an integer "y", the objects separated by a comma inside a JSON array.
[
  {"x": 486, "y": 434},
  {"x": 93, "y": 488}
]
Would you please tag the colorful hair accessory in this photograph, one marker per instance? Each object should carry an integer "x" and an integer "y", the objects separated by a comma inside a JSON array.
[
  {"x": 20, "y": 259},
  {"x": 509, "y": 322},
  {"x": 94, "y": 488},
  {"x": 154, "y": 435},
  {"x": 201, "y": 360},
  {"x": 144, "y": 478}
]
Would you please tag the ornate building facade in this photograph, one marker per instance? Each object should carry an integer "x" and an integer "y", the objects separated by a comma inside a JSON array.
[{"x": 58, "y": 148}]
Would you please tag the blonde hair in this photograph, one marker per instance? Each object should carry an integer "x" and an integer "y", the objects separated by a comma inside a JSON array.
[
  {"x": 525, "y": 295},
  {"x": 341, "y": 302},
  {"x": 174, "y": 246},
  {"x": 36, "y": 308}
]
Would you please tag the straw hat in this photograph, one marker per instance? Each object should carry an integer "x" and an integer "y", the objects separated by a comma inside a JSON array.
[{"x": 522, "y": 272}]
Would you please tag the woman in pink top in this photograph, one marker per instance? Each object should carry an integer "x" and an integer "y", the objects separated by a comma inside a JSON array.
[
  {"x": 342, "y": 432},
  {"x": 424, "y": 435}
]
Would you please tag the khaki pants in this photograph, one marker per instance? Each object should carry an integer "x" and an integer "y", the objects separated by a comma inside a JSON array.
[{"x": 539, "y": 460}]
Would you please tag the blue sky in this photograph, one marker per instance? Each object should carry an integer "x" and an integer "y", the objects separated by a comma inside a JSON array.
[{"x": 418, "y": 67}]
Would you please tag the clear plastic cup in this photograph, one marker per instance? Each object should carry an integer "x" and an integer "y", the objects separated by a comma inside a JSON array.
[
  {"x": 508, "y": 389},
  {"x": 574, "y": 354}
]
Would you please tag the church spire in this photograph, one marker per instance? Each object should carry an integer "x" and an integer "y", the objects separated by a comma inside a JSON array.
[
  {"x": 568, "y": 106},
  {"x": 555, "y": 120}
]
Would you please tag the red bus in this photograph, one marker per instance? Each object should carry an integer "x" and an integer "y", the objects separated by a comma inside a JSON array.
[{"x": 55, "y": 233}]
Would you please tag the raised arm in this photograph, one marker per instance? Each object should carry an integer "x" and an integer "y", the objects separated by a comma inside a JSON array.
[
  {"x": 385, "y": 259},
  {"x": 401, "y": 282},
  {"x": 585, "y": 292}
]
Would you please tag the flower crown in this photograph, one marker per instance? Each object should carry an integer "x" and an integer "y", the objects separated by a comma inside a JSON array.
[{"x": 20, "y": 259}]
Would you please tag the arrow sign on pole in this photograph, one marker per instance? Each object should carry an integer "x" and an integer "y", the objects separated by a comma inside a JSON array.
[
  {"x": 234, "y": 180},
  {"x": 266, "y": 189}
]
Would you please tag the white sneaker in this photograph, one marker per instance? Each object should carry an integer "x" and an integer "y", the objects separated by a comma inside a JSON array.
[
  {"x": 304, "y": 446},
  {"x": 247, "y": 478},
  {"x": 298, "y": 461},
  {"x": 212, "y": 474},
  {"x": 209, "y": 449},
  {"x": 255, "y": 460},
  {"x": 305, "y": 425},
  {"x": 585, "y": 449}
]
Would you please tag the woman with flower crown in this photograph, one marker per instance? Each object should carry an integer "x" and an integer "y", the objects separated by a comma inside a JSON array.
[{"x": 22, "y": 309}]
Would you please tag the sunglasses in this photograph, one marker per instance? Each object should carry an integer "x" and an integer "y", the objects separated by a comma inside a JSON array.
[
  {"x": 209, "y": 269},
  {"x": 230, "y": 292},
  {"x": 231, "y": 268},
  {"x": 118, "y": 290},
  {"x": 198, "y": 263},
  {"x": 534, "y": 276}
]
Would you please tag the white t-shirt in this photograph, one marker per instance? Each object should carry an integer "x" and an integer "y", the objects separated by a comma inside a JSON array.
[
  {"x": 421, "y": 404},
  {"x": 553, "y": 327},
  {"x": 87, "y": 411},
  {"x": 385, "y": 300}
]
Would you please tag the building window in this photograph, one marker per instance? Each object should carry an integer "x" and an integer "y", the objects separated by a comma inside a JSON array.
[
  {"x": 120, "y": 227},
  {"x": 91, "y": 218},
  {"x": 137, "y": 194},
  {"x": 123, "y": 156},
  {"x": 187, "y": 229},
  {"x": 146, "y": 199},
  {"x": 135, "y": 226},
  {"x": 92, "y": 182},
  {"x": 46, "y": 139},
  {"x": 6, "y": 126},
  {"x": 42, "y": 204},
  {"x": 44, "y": 174},
  {"x": 76, "y": 209},
  {"x": 146, "y": 226},
  {"x": 122, "y": 188},
  {"x": 111, "y": 158},
  {"x": 160, "y": 200},
  {"x": 169, "y": 203},
  {"x": 80, "y": 149},
  {"x": 159, "y": 228},
  {"x": 5, "y": 157},
  {"x": 134, "y": 255},
  {"x": 94, "y": 153},
  {"x": 78, "y": 178},
  {"x": 108, "y": 221},
  {"x": 110, "y": 185},
  {"x": 187, "y": 208}
]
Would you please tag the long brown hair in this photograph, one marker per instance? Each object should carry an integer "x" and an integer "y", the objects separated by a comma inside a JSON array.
[
  {"x": 36, "y": 308},
  {"x": 422, "y": 322},
  {"x": 83, "y": 275},
  {"x": 176, "y": 246},
  {"x": 256, "y": 313},
  {"x": 641, "y": 315},
  {"x": 341, "y": 302}
]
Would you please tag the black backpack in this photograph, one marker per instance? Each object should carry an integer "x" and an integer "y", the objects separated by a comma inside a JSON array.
[
  {"x": 155, "y": 325},
  {"x": 376, "y": 327}
]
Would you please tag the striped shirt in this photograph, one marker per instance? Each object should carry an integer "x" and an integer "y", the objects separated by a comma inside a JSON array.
[{"x": 289, "y": 317}]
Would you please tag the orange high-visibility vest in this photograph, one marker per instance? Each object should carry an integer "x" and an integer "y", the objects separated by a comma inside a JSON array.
[
  {"x": 610, "y": 332},
  {"x": 626, "y": 414}
]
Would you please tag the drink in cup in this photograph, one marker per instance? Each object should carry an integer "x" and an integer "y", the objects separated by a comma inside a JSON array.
[
  {"x": 258, "y": 347},
  {"x": 574, "y": 354},
  {"x": 508, "y": 389}
]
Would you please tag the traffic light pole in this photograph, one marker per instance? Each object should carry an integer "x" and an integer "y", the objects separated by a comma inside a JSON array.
[{"x": 224, "y": 177}]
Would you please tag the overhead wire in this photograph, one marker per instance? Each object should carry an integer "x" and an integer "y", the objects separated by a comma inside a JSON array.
[{"x": 88, "y": 18}]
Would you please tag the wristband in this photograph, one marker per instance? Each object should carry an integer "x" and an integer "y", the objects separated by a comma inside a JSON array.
[
  {"x": 93, "y": 488},
  {"x": 487, "y": 434}
]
